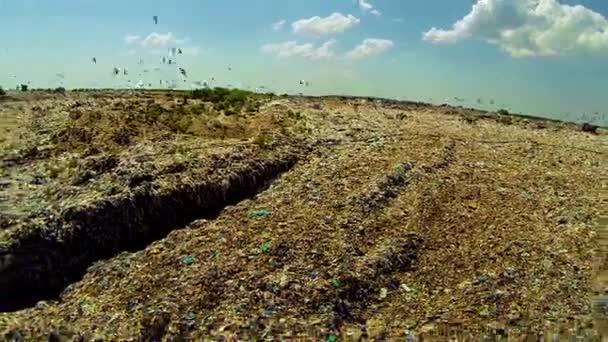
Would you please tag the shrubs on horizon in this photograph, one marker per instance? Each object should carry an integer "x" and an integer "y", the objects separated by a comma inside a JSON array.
[
  {"x": 229, "y": 100},
  {"x": 589, "y": 128}
]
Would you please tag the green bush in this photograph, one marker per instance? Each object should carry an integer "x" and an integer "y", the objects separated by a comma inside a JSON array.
[
  {"x": 237, "y": 95},
  {"x": 2, "y": 92},
  {"x": 208, "y": 94},
  {"x": 503, "y": 112},
  {"x": 231, "y": 101}
]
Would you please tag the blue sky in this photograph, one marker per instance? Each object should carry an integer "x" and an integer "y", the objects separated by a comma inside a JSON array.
[{"x": 545, "y": 57}]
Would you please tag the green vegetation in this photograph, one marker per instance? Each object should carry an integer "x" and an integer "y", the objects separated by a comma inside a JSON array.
[
  {"x": 2, "y": 92},
  {"x": 503, "y": 111},
  {"x": 231, "y": 101}
]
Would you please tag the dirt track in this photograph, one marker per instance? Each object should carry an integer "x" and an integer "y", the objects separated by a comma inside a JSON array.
[{"x": 396, "y": 219}]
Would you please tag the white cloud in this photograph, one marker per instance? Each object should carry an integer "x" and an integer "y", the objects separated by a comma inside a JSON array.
[
  {"x": 318, "y": 26},
  {"x": 279, "y": 25},
  {"x": 364, "y": 5},
  {"x": 132, "y": 39},
  {"x": 159, "y": 39},
  {"x": 367, "y": 7},
  {"x": 370, "y": 47},
  {"x": 526, "y": 28},
  {"x": 306, "y": 50}
]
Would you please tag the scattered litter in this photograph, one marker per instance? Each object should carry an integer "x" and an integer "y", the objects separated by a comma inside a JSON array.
[
  {"x": 87, "y": 307},
  {"x": 187, "y": 260},
  {"x": 482, "y": 279},
  {"x": 383, "y": 293},
  {"x": 259, "y": 213},
  {"x": 266, "y": 246},
  {"x": 331, "y": 338},
  {"x": 309, "y": 254}
]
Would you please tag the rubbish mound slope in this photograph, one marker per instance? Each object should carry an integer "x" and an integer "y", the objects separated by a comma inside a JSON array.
[{"x": 395, "y": 221}]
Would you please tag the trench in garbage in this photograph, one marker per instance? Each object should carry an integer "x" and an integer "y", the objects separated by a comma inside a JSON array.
[{"x": 41, "y": 266}]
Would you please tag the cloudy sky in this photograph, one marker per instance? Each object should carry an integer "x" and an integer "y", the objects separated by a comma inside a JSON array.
[{"x": 544, "y": 57}]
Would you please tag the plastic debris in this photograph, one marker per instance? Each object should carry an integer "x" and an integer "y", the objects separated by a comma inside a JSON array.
[
  {"x": 483, "y": 279},
  {"x": 259, "y": 213},
  {"x": 187, "y": 259},
  {"x": 383, "y": 293},
  {"x": 87, "y": 307},
  {"x": 266, "y": 246},
  {"x": 319, "y": 251}
]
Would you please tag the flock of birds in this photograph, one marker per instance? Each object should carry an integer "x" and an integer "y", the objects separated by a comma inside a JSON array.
[
  {"x": 168, "y": 73},
  {"x": 171, "y": 60}
]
